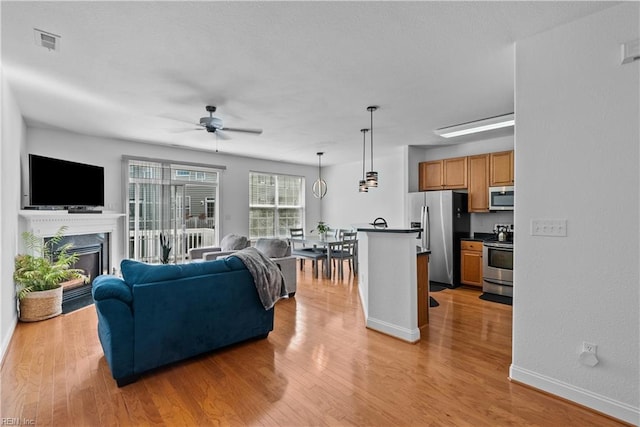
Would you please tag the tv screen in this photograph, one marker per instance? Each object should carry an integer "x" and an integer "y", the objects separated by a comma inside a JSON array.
[{"x": 61, "y": 183}]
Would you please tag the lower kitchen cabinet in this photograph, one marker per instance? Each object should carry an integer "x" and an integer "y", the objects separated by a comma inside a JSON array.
[
  {"x": 471, "y": 263},
  {"x": 422, "y": 264}
]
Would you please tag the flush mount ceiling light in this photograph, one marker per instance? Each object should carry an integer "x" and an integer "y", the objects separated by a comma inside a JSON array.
[{"x": 483, "y": 125}]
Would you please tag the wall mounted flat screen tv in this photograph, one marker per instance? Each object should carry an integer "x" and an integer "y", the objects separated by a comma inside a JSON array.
[{"x": 60, "y": 183}]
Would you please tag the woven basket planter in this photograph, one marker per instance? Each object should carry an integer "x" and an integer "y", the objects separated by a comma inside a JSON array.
[{"x": 41, "y": 305}]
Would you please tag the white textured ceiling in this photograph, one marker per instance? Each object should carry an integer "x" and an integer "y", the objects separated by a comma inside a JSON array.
[{"x": 302, "y": 71}]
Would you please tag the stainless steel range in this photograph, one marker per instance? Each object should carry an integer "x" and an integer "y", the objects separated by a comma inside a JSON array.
[{"x": 497, "y": 258}]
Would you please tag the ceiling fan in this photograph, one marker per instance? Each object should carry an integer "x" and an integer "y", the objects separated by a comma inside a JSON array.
[{"x": 215, "y": 125}]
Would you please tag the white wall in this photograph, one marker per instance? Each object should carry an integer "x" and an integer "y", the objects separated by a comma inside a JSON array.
[
  {"x": 344, "y": 205},
  {"x": 234, "y": 181},
  {"x": 13, "y": 142},
  {"x": 577, "y": 145}
]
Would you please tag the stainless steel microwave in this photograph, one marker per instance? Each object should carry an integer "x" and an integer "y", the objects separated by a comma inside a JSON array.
[{"x": 501, "y": 198}]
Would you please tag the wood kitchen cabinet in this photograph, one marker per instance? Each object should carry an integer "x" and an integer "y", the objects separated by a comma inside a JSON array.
[
  {"x": 501, "y": 167},
  {"x": 422, "y": 266},
  {"x": 430, "y": 175},
  {"x": 471, "y": 263},
  {"x": 478, "y": 200},
  {"x": 455, "y": 173},
  {"x": 447, "y": 174}
]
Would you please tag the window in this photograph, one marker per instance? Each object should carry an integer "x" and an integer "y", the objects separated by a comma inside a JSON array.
[
  {"x": 276, "y": 204},
  {"x": 177, "y": 200},
  {"x": 210, "y": 207}
]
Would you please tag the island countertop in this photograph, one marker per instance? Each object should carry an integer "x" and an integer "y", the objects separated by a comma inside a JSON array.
[{"x": 378, "y": 229}]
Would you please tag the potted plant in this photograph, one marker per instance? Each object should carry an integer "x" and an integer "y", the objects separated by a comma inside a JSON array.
[
  {"x": 323, "y": 229},
  {"x": 165, "y": 245},
  {"x": 39, "y": 275}
]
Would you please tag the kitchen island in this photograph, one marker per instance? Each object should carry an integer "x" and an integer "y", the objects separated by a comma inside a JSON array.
[{"x": 393, "y": 291}]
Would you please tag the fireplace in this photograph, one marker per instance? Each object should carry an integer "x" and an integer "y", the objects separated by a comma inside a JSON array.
[
  {"x": 96, "y": 238},
  {"x": 93, "y": 260}
]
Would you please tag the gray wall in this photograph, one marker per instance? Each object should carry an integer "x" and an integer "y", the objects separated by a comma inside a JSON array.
[
  {"x": 577, "y": 157},
  {"x": 13, "y": 142}
]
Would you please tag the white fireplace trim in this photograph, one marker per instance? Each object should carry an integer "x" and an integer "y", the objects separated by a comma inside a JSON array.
[{"x": 47, "y": 223}]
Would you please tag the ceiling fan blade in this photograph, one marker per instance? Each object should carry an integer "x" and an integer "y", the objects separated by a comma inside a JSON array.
[
  {"x": 196, "y": 127},
  {"x": 222, "y": 135},
  {"x": 245, "y": 130}
]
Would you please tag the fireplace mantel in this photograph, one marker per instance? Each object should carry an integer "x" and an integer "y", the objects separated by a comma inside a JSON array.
[{"x": 47, "y": 223}]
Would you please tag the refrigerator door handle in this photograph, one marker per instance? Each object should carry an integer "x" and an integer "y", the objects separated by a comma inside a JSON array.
[{"x": 427, "y": 227}]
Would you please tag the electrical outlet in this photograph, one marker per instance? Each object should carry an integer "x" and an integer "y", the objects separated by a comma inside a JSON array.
[
  {"x": 589, "y": 348},
  {"x": 588, "y": 355},
  {"x": 549, "y": 227}
]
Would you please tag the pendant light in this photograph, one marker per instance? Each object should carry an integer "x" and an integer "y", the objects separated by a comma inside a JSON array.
[
  {"x": 363, "y": 182},
  {"x": 319, "y": 188},
  {"x": 372, "y": 176}
]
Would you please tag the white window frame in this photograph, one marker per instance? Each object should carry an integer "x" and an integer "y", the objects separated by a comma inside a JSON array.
[{"x": 276, "y": 207}]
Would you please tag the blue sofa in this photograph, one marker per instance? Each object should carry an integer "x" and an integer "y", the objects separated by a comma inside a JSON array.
[{"x": 159, "y": 314}]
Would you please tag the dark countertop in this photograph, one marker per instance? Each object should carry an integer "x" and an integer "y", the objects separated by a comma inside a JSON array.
[
  {"x": 422, "y": 250},
  {"x": 479, "y": 237},
  {"x": 370, "y": 228}
]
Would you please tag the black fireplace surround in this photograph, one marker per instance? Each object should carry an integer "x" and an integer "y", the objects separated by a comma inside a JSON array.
[{"x": 93, "y": 259}]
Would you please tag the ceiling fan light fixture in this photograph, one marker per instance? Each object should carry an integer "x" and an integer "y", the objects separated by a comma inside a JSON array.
[{"x": 477, "y": 126}]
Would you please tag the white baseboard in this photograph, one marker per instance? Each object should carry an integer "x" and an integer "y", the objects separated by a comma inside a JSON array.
[
  {"x": 7, "y": 338},
  {"x": 394, "y": 330},
  {"x": 583, "y": 397}
]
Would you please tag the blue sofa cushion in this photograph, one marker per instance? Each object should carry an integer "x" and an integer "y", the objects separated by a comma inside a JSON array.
[{"x": 135, "y": 272}]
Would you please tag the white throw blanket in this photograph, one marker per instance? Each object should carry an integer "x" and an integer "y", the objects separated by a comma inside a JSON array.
[{"x": 266, "y": 275}]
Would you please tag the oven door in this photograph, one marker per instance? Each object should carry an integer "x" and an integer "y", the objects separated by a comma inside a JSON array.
[{"x": 498, "y": 262}]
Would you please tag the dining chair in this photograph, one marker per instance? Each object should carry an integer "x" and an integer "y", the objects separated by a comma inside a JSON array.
[
  {"x": 347, "y": 250},
  {"x": 301, "y": 252}
]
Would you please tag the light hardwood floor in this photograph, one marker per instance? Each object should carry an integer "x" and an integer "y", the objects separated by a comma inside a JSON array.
[{"x": 320, "y": 366}]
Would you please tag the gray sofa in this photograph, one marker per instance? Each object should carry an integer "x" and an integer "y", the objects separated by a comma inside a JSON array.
[
  {"x": 229, "y": 244},
  {"x": 277, "y": 249}
]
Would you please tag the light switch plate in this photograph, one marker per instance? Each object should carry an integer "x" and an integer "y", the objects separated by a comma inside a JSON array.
[{"x": 549, "y": 227}]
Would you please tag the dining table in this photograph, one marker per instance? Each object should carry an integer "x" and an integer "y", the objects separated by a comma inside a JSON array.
[{"x": 330, "y": 243}]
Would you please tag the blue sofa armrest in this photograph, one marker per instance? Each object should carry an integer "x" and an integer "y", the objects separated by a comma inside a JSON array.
[
  {"x": 113, "y": 299},
  {"x": 105, "y": 287}
]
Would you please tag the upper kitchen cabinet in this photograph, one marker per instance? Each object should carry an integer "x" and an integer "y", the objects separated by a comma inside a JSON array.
[
  {"x": 478, "y": 200},
  {"x": 455, "y": 173},
  {"x": 430, "y": 175},
  {"x": 447, "y": 174},
  {"x": 501, "y": 169}
]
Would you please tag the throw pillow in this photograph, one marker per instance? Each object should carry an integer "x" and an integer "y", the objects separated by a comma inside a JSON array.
[
  {"x": 273, "y": 248},
  {"x": 232, "y": 242}
]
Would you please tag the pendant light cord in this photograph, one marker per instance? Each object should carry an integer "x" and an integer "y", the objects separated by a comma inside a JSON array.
[
  {"x": 364, "y": 149},
  {"x": 371, "y": 109}
]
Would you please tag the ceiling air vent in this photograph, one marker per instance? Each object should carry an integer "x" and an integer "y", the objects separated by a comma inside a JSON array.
[{"x": 49, "y": 40}]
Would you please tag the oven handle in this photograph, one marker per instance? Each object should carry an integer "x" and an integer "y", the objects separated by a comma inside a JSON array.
[
  {"x": 498, "y": 282},
  {"x": 498, "y": 246}
]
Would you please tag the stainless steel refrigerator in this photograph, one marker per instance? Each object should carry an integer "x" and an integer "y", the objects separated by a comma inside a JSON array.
[{"x": 444, "y": 219}]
